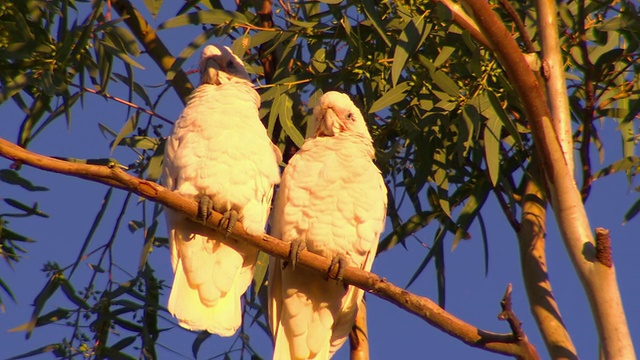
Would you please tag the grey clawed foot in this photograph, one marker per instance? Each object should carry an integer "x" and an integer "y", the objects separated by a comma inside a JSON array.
[
  {"x": 297, "y": 246},
  {"x": 205, "y": 207},
  {"x": 228, "y": 221},
  {"x": 339, "y": 261}
]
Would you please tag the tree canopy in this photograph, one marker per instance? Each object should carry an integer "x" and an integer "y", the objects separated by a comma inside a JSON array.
[{"x": 467, "y": 103}]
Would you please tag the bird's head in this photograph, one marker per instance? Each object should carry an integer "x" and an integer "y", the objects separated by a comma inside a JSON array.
[
  {"x": 337, "y": 114},
  {"x": 219, "y": 65}
]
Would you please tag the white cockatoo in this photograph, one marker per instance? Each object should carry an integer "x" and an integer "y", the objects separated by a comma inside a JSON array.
[
  {"x": 219, "y": 154},
  {"x": 332, "y": 201}
]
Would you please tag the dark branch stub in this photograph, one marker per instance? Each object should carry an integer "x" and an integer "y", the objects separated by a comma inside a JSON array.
[
  {"x": 507, "y": 314},
  {"x": 603, "y": 247}
]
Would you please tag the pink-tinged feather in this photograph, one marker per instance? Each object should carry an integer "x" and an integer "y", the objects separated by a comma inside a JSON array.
[
  {"x": 333, "y": 198},
  {"x": 218, "y": 148}
]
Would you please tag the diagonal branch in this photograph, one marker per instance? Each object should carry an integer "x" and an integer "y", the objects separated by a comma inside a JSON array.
[
  {"x": 533, "y": 260},
  {"x": 424, "y": 308},
  {"x": 153, "y": 45}
]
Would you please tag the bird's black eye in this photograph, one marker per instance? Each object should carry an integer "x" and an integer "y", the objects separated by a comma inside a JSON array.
[
  {"x": 351, "y": 117},
  {"x": 230, "y": 64}
]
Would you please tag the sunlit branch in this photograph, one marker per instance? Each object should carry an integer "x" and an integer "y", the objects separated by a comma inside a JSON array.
[
  {"x": 153, "y": 46},
  {"x": 424, "y": 308}
]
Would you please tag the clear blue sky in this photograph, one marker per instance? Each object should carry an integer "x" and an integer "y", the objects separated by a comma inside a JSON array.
[{"x": 73, "y": 204}]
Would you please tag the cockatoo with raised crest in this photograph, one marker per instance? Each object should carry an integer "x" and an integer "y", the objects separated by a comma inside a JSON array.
[
  {"x": 332, "y": 201},
  {"x": 220, "y": 155}
]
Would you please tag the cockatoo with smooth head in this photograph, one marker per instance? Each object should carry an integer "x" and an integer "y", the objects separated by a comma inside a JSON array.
[
  {"x": 332, "y": 201},
  {"x": 220, "y": 155}
]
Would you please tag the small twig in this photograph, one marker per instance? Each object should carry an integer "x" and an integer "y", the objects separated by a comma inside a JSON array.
[
  {"x": 125, "y": 102},
  {"x": 507, "y": 314},
  {"x": 528, "y": 45}
]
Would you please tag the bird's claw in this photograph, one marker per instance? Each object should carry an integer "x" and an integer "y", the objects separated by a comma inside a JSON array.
[
  {"x": 228, "y": 221},
  {"x": 297, "y": 246},
  {"x": 341, "y": 262},
  {"x": 205, "y": 207}
]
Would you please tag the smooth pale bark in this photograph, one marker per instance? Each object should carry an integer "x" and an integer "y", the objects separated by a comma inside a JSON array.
[
  {"x": 359, "y": 336},
  {"x": 553, "y": 72},
  {"x": 531, "y": 239},
  {"x": 598, "y": 280}
]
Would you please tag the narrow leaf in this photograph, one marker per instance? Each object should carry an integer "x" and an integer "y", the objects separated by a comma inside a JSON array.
[
  {"x": 492, "y": 148},
  {"x": 285, "y": 114},
  {"x": 12, "y": 177},
  {"x": 215, "y": 17},
  {"x": 410, "y": 40},
  {"x": 391, "y": 97}
]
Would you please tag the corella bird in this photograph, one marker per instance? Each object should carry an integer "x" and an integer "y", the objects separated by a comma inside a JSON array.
[
  {"x": 219, "y": 154},
  {"x": 332, "y": 201}
]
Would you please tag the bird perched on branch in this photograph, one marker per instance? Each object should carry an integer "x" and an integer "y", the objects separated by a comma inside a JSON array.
[
  {"x": 332, "y": 201},
  {"x": 220, "y": 155}
]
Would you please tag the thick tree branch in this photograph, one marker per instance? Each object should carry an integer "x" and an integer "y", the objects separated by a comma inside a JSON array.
[
  {"x": 422, "y": 307},
  {"x": 153, "y": 45},
  {"x": 553, "y": 74},
  {"x": 465, "y": 22},
  {"x": 533, "y": 259},
  {"x": 598, "y": 280}
]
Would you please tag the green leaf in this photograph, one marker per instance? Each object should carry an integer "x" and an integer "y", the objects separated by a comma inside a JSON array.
[
  {"x": 319, "y": 60},
  {"x": 154, "y": 167},
  {"x": 137, "y": 88},
  {"x": 7, "y": 234},
  {"x": 215, "y": 17},
  {"x": 372, "y": 13},
  {"x": 94, "y": 227},
  {"x": 40, "y": 301},
  {"x": 444, "y": 82},
  {"x": 284, "y": 104},
  {"x": 391, "y": 97},
  {"x": 29, "y": 210},
  {"x": 130, "y": 126},
  {"x": 499, "y": 111},
  {"x": 470, "y": 210},
  {"x": 444, "y": 55},
  {"x": 439, "y": 237},
  {"x": 40, "y": 350},
  {"x": 262, "y": 264},
  {"x": 492, "y": 148},
  {"x": 153, "y": 6},
  {"x": 633, "y": 211},
  {"x": 121, "y": 55},
  {"x": 140, "y": 142},
  {"x": 124, "y": 343},
  {"x": 410, "y": 40},
  {"x": 72, "y": 295},
  {"x": 195, "y": 347},
  {"x": 621, "y": 165},
  {"x": 414, "y": 224},
  {"x": 12, "y": 177},
  {"x": 188, "y": 51}
]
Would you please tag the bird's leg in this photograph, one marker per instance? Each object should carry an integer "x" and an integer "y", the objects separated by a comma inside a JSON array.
[
  {"x": 229, "y": 220},
  {"x": 339, "y": 261},
  {"x": 205, "y": 206},
  {"x": 297, "y": 246}
]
